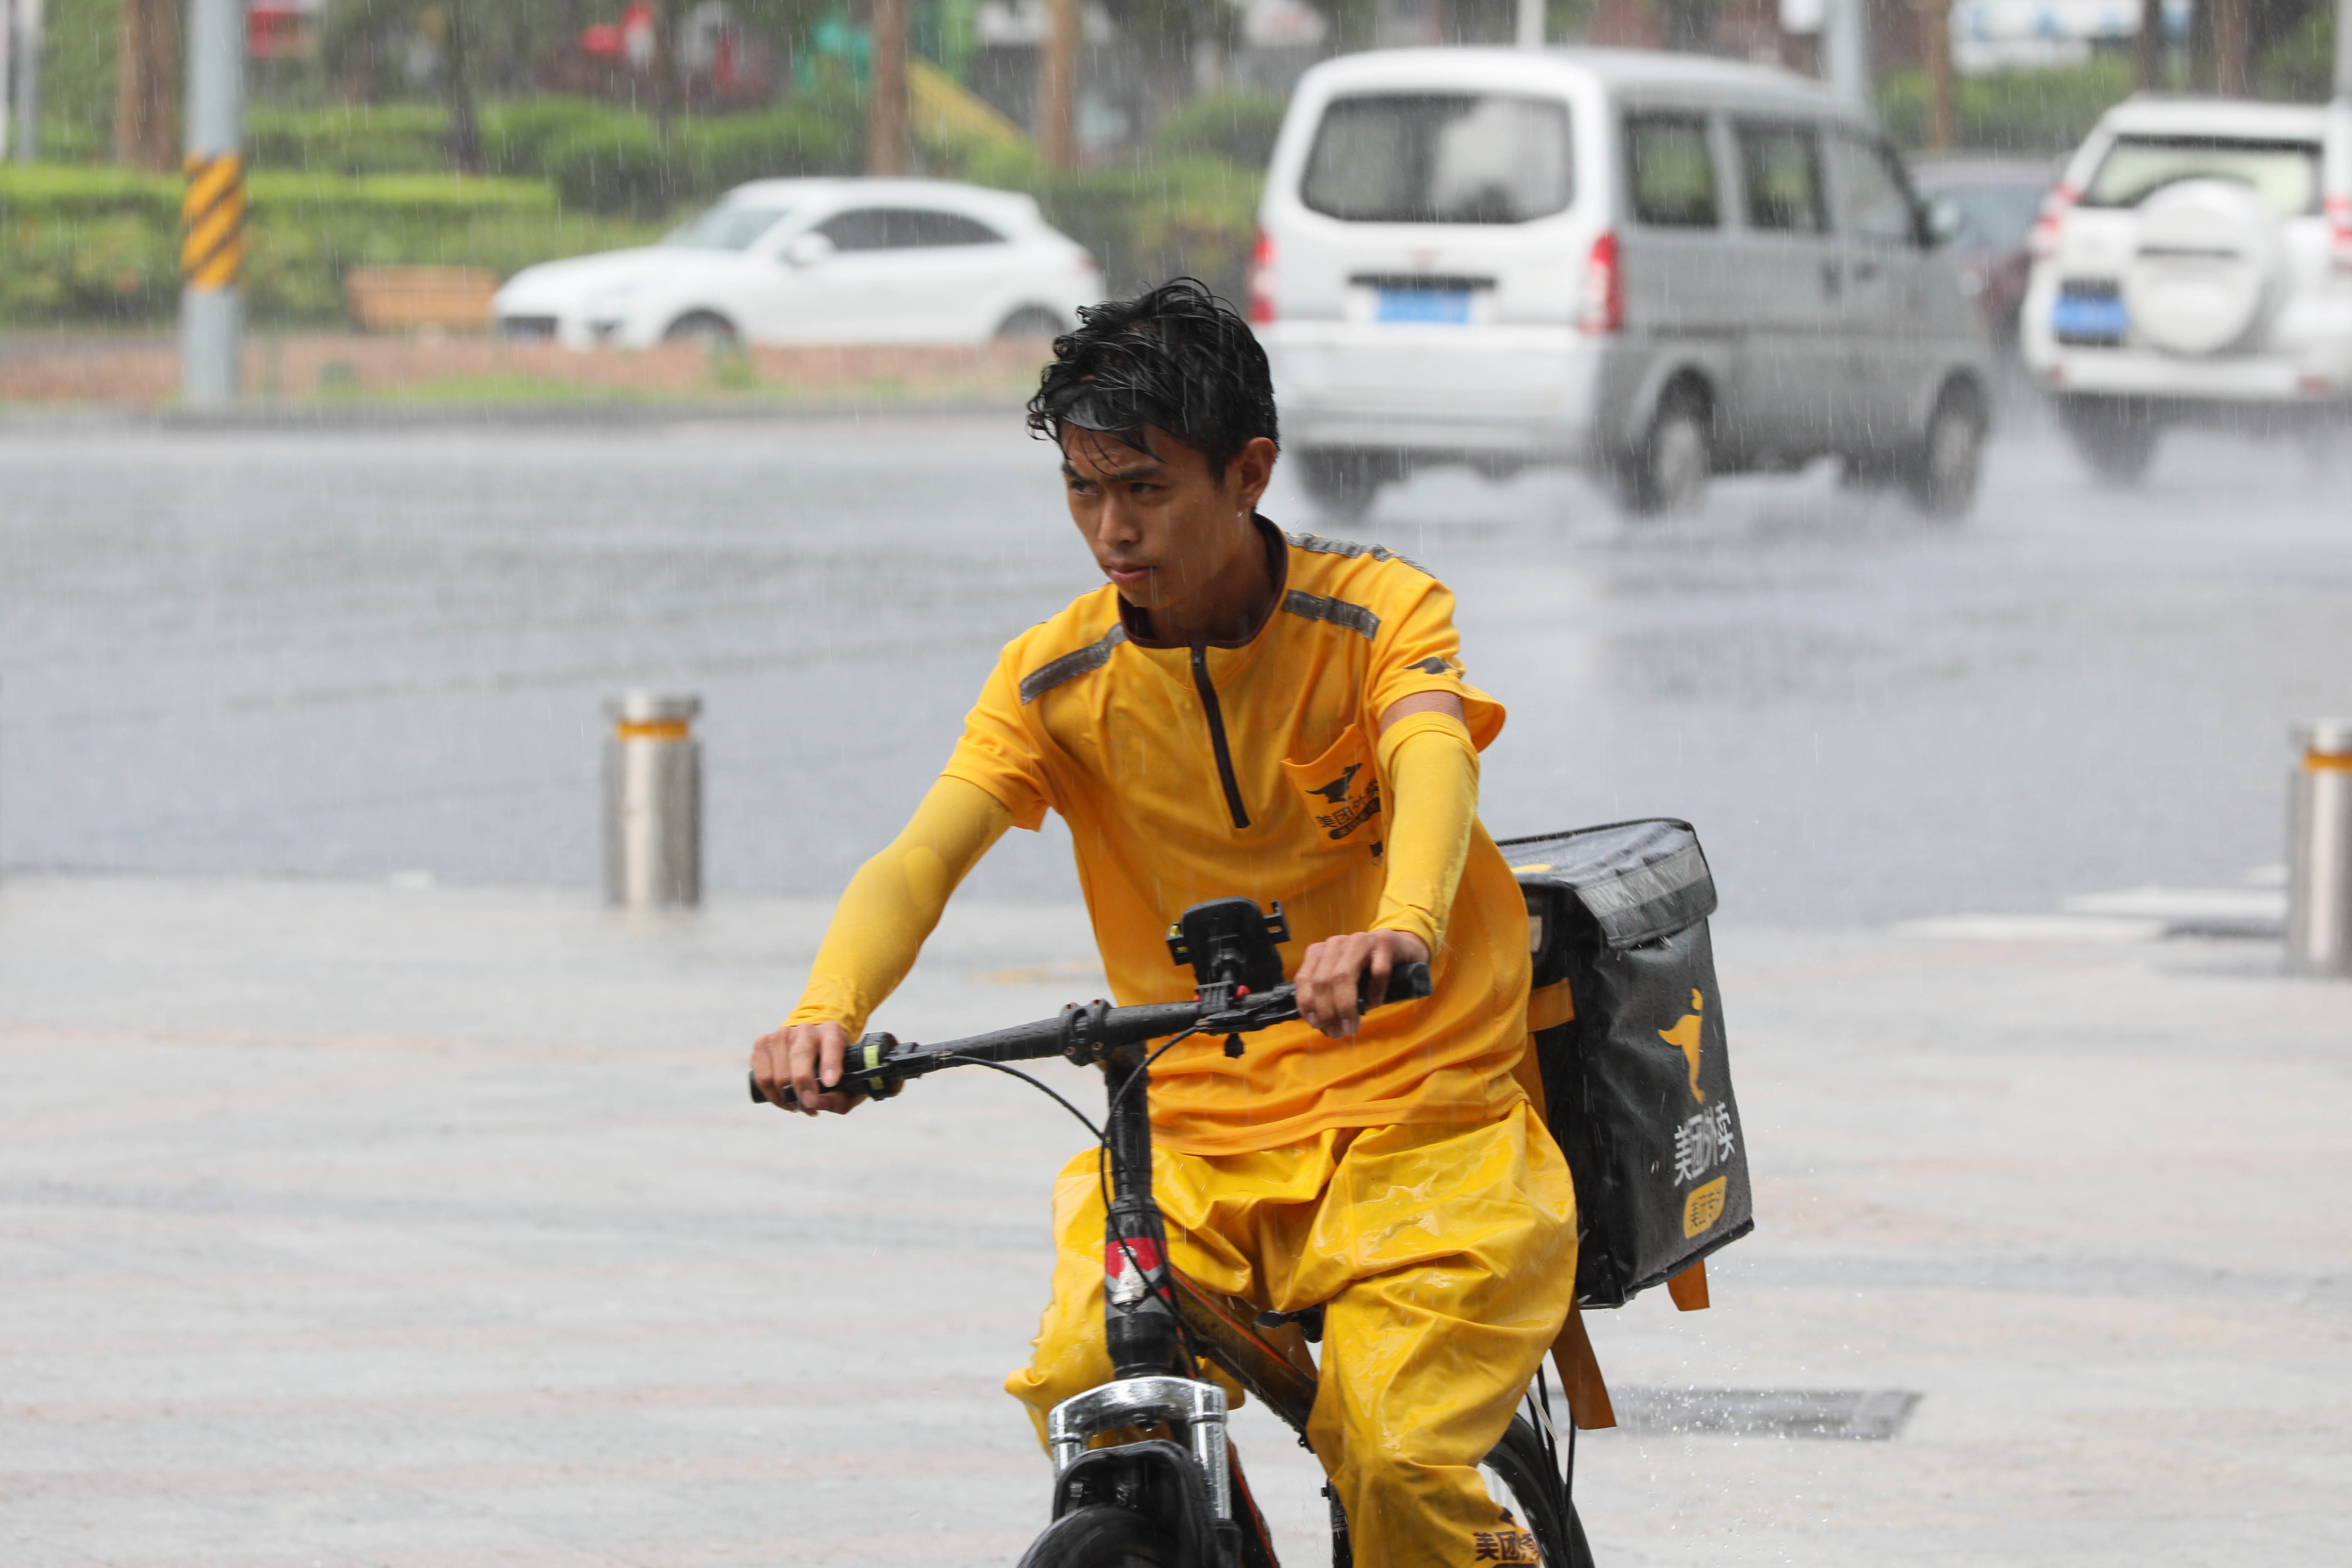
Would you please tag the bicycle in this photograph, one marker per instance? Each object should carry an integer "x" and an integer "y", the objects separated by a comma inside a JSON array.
[{"x": 1161, "y": 1502}]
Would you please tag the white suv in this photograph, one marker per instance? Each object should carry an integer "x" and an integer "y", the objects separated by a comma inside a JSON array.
[{"x": 2195, "y": 265}]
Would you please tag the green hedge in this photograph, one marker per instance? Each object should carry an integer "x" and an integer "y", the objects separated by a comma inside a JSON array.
[
  {"x": 2026, "y": 113},
  {"x": 598, "y": 156},
  {"x": 100, "y": 244},
  {"x": 1144, "y": 222}
]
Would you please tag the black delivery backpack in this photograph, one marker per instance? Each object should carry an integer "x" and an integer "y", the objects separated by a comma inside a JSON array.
[{"x": 1637, "y": 1086}]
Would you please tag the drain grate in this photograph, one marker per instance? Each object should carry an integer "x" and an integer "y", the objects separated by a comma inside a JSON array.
[{"x": 1866, "y": 1415}]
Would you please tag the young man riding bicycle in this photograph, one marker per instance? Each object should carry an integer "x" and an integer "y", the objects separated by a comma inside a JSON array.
[{"x": 1241, "y": 713}]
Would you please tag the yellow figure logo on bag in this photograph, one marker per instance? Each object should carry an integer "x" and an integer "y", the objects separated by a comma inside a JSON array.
[
  {"x": 1704, "y": 1206},
  {"x": 1685, "y": 1034}
]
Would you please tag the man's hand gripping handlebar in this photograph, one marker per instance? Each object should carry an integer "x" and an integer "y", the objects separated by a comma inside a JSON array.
[{"x": 788, "y": 1064}]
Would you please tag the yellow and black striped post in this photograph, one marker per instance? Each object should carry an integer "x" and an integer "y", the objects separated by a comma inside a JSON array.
[
  {"x": 211, "y": 218},
  {"x": 212, "y": 240}
]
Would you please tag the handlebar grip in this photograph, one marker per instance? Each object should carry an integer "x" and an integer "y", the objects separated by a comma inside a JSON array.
[
  {"x": 1407, "y": 983},
  {"x": 861, "y": 1061}
]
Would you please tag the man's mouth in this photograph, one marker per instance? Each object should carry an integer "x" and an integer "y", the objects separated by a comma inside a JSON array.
[{"x": 1128, "y": 577}]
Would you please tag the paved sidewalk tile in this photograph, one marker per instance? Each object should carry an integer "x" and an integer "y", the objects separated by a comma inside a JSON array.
[{"x": 347, "y": 1225}]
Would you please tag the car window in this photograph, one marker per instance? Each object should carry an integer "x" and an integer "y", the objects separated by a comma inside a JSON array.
[
  {"x": 1994, "y": 217},
  {"x": 1671, "y": 172},
  {"x": 727, "y": 227},
  {"x": 1780, "y": 177},
  {"x": 2284, "y": 175},
  {"x": 952, "y": 229},
  {"x": 904, "y": 229},
  {"x": 1441, "y": 158},
  {"x": 1873, "y": 198}
]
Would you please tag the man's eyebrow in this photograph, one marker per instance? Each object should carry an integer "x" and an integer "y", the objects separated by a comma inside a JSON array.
[{"x": 1138, "y": 471}]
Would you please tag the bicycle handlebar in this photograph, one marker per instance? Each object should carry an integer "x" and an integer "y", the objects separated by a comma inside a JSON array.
[{"x": 878, "y": 1065}]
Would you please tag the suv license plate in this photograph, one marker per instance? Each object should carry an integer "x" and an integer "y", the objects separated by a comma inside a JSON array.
[
  {"x": 2089, "y": 318},
  {"x": 1443, "y": 306}
]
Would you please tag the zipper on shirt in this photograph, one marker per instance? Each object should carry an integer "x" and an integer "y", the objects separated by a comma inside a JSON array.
[{"x": 1208, "y": 690}]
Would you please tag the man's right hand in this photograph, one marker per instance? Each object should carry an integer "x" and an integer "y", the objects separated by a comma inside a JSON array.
[{"x": 799, "y": 1058}]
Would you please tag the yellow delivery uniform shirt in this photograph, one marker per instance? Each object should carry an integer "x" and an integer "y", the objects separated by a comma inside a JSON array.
[{"x": 1189, "y": 774}]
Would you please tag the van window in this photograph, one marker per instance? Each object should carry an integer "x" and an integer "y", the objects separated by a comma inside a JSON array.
[
  {"x": 1873, "y": 198},
  {"x": 1780, "y": 169},
  {"x": 1441, "y": 158},
  {"x": 2284, "y": 175},
  {"x": 1670, "y": 171}
]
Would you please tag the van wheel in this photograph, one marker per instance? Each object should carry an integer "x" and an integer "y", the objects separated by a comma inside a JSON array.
[
  {"x": 1669, "y": 470},
  {"x": 1941, "y": 474},
  {"x": 2118, "y": 439},
  {"x": 1342, "y": 485}
]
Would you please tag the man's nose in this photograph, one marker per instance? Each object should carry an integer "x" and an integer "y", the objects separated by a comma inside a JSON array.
[{"x": 1115, "y": 522}]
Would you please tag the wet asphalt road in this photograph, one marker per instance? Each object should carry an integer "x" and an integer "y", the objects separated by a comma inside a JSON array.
[{"x": 364, "y": 654}]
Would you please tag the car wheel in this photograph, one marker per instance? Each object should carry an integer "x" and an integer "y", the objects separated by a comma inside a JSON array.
[
  {"x": 1669, "y": 470},
  {"x": 704, "y": 327},
  {"x": 1941, "y": 475},
  {"x": 2116, "y": 438},
  {"x": 1342, "y": 485},
  {"x": 1031, "y": 323}
]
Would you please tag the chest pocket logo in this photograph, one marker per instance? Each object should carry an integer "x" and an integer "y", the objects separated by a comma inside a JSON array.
[{"x": 1341, "y": 791}]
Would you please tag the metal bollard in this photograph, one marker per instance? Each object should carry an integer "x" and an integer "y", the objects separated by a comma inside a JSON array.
[
  {"x": 2319, "y": 850},
  {"x": 653, "y": 801}
]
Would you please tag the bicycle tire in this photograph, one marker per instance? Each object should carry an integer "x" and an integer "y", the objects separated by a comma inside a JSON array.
[
  {"x": 1537, "y": 1497},
  {"x": 1102, "y": 1535}
]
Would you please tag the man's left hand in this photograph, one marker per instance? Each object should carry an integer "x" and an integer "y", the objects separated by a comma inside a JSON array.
[{"x": 1328, "y": 975}]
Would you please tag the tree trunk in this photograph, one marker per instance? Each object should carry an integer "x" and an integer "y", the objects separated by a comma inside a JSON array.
[
  {"x": 885, "y": 136},
  {"x": 2232, "y": 77},
  {"x": 667, "y": 96},
  {"x": 2200, "y": 45},
  {"x": 465, "y": 120},
  {"x": 1057, "y": 86},
  {"x": 147, "y": 87},
  {"x": 2150, "y": 53},
  {"x": 1936, "y": 45}
]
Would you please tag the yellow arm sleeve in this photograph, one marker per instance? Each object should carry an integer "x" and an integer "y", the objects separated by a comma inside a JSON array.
[
  {"x": 895, "y": 900},
  {"x": 1431, "y": 770}
]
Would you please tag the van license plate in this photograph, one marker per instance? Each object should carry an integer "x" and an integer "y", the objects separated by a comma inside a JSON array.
[{"x": 1444, "y": 307}]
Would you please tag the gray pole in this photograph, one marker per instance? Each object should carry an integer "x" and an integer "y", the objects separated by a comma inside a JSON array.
[
  {"x": 7, "y": 70},
  {"x": 29, "y": 80},
  {"x": 1531, "y": 24},
  {"x": 1846, "y": 50},
  {"x": 653, "y": 801},
  {"x": 212, "y": 316},
  {"x": 2344, "y": 50},
  {"x": 2319, "y": 850}
]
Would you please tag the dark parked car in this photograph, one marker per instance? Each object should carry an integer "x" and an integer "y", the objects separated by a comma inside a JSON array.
[{"x": 1988, "y": 207}]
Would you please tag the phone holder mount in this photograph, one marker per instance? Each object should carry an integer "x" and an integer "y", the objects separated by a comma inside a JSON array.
[{"x": 1232, "y": 949}]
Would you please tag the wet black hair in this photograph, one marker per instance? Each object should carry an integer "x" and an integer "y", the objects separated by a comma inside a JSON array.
[{"x": 1177, "y": 357}]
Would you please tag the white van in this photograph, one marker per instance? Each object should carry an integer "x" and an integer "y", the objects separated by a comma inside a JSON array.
[{"x": 1654, "y": 266}]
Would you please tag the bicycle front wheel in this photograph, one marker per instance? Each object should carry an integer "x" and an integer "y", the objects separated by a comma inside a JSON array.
[
  {"x": 1519, "y": 1476},
  {"x": 1103, "y": 1536}
]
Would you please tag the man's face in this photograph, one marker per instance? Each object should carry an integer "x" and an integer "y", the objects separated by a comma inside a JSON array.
[{"x": 1160, "y": 527}]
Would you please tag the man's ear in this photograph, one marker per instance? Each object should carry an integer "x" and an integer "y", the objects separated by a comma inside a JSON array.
[{"x": 1253, "y": 470}]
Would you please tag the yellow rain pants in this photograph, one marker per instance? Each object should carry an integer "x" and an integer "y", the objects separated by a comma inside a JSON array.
[{"x": 1445, "y": 1259}]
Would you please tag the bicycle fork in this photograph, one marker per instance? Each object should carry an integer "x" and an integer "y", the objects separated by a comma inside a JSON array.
[{"x": 1152, "y": 1385}]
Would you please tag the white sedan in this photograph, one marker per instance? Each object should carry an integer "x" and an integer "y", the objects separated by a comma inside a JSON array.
[{"x": 820, "y": 261}]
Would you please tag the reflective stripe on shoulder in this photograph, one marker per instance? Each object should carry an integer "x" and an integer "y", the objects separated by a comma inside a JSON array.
[
  {"x": 1071, "y": 666},
  {"x": 1350, "y": 549},
  {"x": 1339, "y": 612}
]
